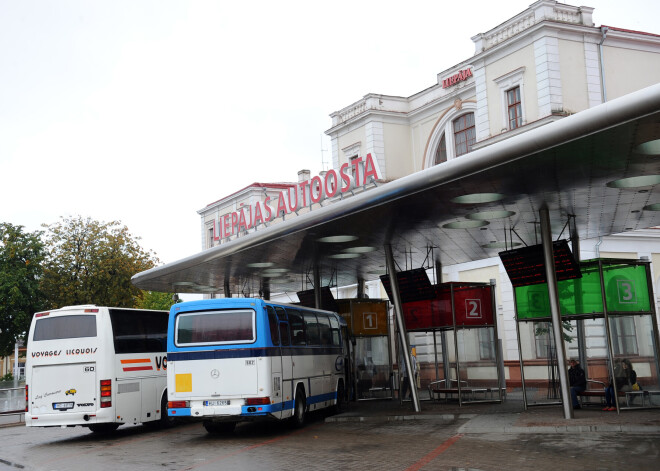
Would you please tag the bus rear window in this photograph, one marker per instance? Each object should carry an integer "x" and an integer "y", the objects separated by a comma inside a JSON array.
[
  {"x": 65, "y": 327},
  {"x": 218, "y": 327}
]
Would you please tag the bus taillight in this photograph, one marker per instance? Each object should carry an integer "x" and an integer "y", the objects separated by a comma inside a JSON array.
[
  {"x": 106, "y": 393},
  {"x": 26, "y": 398},
  {"x": 178, "y": 404},
  {"x": 257, "y": 401}
]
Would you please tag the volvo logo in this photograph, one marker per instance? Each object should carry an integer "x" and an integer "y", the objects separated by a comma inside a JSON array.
[
  {"x": 339, "y": 363},
  {"x": 215, "y": 374}
]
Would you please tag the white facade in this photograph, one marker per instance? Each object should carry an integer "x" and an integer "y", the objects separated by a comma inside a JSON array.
[{"x": 547, "y": 62}]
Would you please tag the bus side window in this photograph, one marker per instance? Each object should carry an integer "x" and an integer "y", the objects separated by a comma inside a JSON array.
[
  {"x": 312, "y": 328},
  {"x": 273, "y": 325},
  {"x": 334, "y": 325},
  {"x": 297, "y": 328},
  {"x": 284, "y": 325},
  {"x": 324, "y": 330}
]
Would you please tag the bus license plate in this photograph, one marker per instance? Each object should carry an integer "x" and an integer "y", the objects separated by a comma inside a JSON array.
[
  {"x": 220, "y": 402},
  {"x": 62, "y": 405}
]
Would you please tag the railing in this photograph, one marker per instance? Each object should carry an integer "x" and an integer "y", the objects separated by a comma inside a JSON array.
[{"x": 12, "y": 399}]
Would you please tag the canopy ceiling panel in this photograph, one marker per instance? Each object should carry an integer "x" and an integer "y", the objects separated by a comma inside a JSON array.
[{"x": 582, "y": 165}]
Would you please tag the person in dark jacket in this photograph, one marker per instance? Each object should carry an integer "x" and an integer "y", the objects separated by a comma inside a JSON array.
[{"x": 577, "y": 382}]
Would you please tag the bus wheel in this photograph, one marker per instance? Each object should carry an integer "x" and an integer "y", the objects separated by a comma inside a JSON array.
[
  {"x": 165, "y": 420},
  {"x": 219, "y": 427},
  {"x": 298, "y": 419},
  {"x": 103, "y": 428},
  {"x": 340, "y": 405}
]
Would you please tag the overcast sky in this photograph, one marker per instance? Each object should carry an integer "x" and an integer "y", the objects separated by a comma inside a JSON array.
[{"x": 147, "y": 111}]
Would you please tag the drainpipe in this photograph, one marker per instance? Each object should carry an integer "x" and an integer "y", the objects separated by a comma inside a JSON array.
[
  {"x": 603, "y": 31},
  {"x": 597, "y": 247}
]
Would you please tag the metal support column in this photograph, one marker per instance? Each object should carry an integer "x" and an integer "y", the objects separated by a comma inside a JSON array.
[
  {"x": 317, "y": 287},
  {"x": 398, "y": 316},
  {"x": 581, "y": 337},
  {"x": 227, "y": 292},
  {"x": 549, "y": 259}
]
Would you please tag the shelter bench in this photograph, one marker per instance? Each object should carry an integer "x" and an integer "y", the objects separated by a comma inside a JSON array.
[{"x": 629, "y": 395}]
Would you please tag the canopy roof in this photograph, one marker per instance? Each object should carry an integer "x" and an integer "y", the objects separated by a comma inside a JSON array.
[{"x": 600, "y": 165}]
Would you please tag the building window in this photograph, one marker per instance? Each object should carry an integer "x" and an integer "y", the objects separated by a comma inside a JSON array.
[
  {"x": 441, "y": 153},
  {"x": 487, "y": 344},
  {"x": 545, "y": 345},
  {"x": 465, "y": 134},
  {"x": 514, "y": 108},
  {"x": 623, "y": 335}
]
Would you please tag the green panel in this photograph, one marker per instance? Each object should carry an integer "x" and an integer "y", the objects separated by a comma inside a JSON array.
[
  {"x": 626, "y": 288},
  {"x": 583, "y": 295},
  {"x": 532, "y": 302}
]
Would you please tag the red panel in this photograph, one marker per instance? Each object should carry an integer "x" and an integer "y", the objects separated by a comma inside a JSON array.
[{"x": 473, "y": 306}]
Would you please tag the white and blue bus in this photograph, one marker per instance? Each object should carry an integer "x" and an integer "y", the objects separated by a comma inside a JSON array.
[{"x": 239, "y": 359}]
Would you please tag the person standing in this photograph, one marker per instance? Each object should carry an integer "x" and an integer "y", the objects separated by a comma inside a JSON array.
[{"x": 577, "y": 381}]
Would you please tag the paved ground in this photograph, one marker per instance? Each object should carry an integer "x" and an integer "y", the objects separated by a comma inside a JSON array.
[{"x": 370, "y": 435}]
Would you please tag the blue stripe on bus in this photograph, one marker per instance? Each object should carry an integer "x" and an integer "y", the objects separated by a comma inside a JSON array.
[
  {"x": 179, "y": 412},
  {"x": 250, "y": 353}
]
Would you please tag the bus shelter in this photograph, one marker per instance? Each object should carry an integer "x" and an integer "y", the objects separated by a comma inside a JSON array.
[
  {"x": 461, "y": 318},
  {"x": 608, "y": 318},
  {"x": 368, "y": 321}
]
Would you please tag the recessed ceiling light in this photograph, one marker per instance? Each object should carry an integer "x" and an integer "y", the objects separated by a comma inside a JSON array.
[
  {"x": 635, "y": 182},
  {"x": 344, "y": 255},
  {"x": 365, "y": 249},
  {"x": 476, "y": 198},
  {"x": 271, "y": 275},
  {"x": 465, "y": 224},
  {"x": 486, "y": 215},
  {"x": 649, "y": 148},
  {"x": 337, "y": 239},
  {"x": 276, "y": 270},
  {"x": 652, "y": 207},
  {"x": 260, "y": 264},
  {"x": 183, "y": 283}
]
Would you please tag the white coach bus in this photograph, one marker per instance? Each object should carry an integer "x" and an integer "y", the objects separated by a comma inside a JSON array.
[
  {"x": 238, "y": 359},
  {"x": 99, "y": 367}
]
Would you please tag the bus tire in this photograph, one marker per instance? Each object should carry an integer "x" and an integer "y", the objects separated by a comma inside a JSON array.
[
  {"x": 299, "y": 409},
  {"x": 218, "y": 428},
  {"x": 165, "y": 420},
  {"x": 340, "y": 405},
  {"x": 103, "y": 429}
]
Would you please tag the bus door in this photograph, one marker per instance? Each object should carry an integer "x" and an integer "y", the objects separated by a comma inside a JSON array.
[{"x": 285, "y": 358}]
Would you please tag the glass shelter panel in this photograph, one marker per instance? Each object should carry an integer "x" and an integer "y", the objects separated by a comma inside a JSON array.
[{"x": 373, "y": 370}]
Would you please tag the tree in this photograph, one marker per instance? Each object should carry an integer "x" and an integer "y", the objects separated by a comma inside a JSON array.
[
  {"x": 21, "y": 257},
  {"x": 92, "y": 262},
  {"x": 156, "y": 300}
]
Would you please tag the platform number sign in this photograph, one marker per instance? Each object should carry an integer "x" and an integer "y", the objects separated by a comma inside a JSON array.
[
  {"x": 370, "y": 320},
  {"x": 537, "y": 302},
  {"x": 473, "y": 308},
  {"x": 626, "y": 290}
]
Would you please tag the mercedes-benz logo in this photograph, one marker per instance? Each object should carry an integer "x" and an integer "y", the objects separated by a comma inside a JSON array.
[{"x": 215, "y": 374}]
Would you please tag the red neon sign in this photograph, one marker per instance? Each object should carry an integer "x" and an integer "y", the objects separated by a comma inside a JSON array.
[{"x": 459, "y": 77}]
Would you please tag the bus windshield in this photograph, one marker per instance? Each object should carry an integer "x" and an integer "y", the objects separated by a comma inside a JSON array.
[
  {"x": 65, "y": 327},
  {"x": 217, "y": 327}
]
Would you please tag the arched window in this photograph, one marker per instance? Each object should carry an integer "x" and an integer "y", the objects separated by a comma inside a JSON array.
[
  {"x": 465, "y": 134},
  {"x": 453, "y": 135},
  {"x": 441, "y": 153}
]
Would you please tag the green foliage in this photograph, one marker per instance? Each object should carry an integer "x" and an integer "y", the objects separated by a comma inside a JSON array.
[
  {"x": 91, "y": 262},
  {"x": 21, "y": 256},
  {"x": 156, "y": 300},
  {"x": 7, "y": 377}
]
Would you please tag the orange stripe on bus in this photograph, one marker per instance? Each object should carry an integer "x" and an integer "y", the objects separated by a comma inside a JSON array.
[{"x": 140, "y": 360}]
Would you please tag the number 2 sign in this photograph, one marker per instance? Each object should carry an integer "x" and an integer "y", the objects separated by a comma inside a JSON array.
[{"x": 473, "y": 308}]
